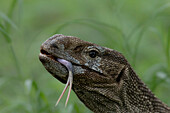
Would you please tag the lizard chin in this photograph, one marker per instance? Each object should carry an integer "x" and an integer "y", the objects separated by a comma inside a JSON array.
[{"x": 53, "y": 66}]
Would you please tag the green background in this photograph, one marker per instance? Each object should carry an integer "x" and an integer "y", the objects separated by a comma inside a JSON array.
[{"x": 140, "y": 29}]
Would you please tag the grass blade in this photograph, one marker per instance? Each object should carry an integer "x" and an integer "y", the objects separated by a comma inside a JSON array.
[
  {"x": 168, "y": 49},
  {"x": 10, "y": 12},
  {"x": 8, "y": 20},
  {"x": 5, "y": 34}
]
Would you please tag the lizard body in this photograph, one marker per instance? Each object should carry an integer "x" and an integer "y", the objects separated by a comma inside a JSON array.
[{"x": 103, "y": 79}]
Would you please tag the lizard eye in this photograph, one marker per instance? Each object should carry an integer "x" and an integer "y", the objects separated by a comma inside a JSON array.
[{"x": 93, "y": 53}]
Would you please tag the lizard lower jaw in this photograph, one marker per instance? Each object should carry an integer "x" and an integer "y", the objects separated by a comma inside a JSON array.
[{"x": 58, "y": 70}]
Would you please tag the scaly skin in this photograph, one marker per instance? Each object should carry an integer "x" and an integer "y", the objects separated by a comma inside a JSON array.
[{"x": 103, "y": 79}]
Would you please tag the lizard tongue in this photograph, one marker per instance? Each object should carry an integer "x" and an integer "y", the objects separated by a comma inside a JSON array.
[{"x": 69, "y": 80}]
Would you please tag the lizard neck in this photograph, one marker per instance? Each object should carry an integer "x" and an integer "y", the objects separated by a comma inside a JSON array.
[
  {"x": 132, "y": 97},
  {"x": 138, "y": 97}
]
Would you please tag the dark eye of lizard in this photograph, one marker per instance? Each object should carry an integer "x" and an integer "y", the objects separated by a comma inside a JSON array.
[{"x": 93, "y": 53}]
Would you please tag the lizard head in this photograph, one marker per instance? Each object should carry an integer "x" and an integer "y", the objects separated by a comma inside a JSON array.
[{"x": 97, "y": 71}]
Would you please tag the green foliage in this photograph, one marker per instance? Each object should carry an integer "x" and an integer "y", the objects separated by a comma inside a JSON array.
[{"x": 138, "y": 29}]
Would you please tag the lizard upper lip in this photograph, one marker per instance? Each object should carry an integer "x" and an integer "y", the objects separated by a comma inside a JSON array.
[
  {"x": 48, "y": 54},
  {"x": 51, "y": 56},
  {"x": 44, "y": 52}
]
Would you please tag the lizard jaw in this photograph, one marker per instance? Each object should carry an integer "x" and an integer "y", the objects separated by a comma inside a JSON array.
[{"x": 53, "y": 66}]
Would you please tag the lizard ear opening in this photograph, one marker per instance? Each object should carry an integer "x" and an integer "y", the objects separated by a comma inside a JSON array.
[{"x": 119, "y": 77}]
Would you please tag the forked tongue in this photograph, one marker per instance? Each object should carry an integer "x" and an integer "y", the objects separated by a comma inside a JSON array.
[{"x": 69, "y": 80}]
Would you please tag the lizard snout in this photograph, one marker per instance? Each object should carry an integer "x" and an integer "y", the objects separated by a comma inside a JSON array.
[{"x": 54, "y": 42}]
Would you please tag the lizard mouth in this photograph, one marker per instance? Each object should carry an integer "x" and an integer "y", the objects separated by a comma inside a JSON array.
[{"x": 53, "y": 66}]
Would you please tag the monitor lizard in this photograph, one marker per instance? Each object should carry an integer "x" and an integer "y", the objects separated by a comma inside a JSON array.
[{"x": 103, "y": 79}]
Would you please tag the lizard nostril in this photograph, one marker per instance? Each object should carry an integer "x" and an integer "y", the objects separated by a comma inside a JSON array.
[{"x": 54, "y": 46}]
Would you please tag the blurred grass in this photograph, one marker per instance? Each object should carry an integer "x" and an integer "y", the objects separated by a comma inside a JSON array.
[{"x": 138, "y": 29}]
